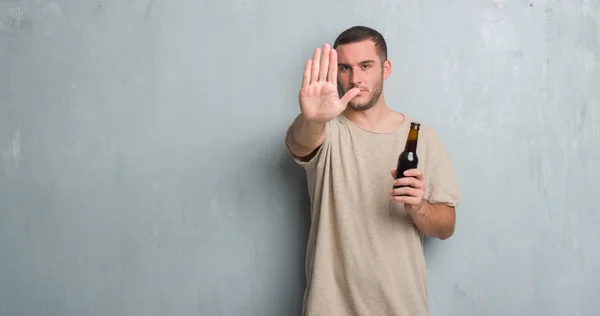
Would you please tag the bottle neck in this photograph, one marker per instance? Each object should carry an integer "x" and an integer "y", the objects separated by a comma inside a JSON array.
[{"x": 411, "y": 141}]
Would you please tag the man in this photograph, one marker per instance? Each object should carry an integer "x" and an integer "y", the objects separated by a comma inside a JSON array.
[{"x": 364, "y": 254}]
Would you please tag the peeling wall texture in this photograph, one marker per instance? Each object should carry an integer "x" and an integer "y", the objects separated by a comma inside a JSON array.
[{"x": 143, "y": 172}]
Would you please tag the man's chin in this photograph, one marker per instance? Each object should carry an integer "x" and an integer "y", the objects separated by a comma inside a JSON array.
[{"x": 359, "y": 106}]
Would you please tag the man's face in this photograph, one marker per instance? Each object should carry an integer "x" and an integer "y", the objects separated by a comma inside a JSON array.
[{"x": 360, "y": 66}]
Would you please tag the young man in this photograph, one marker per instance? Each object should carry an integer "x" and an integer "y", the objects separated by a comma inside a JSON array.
[{"x": 364, "y": 254}]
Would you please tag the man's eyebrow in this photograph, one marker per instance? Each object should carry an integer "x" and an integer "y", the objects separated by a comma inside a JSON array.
[{"x": 364, "y": 62}]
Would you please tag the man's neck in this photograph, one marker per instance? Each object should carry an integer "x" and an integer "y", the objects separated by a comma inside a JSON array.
[{"x": 378, "y": 119}]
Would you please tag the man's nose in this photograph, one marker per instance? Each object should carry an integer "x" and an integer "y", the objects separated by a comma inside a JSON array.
[{"x": 355, "y": 78}]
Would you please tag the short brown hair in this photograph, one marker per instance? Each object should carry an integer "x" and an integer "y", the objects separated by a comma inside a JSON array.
[{"x": 360, "y": 33}]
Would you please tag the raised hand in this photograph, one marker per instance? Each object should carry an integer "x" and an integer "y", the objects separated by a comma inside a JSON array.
[{"x": 319, "y": 100}]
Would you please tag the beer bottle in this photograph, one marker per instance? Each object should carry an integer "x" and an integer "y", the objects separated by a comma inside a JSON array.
[{"x": 408, "y": 159}]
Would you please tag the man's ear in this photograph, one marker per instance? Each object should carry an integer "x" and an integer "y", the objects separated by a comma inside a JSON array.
[{"x": 387, "y": 69}]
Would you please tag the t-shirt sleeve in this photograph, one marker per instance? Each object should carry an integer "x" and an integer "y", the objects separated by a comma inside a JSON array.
[
  {"x": 316, "y": 156},
  {"x": 443, "y": 183}
]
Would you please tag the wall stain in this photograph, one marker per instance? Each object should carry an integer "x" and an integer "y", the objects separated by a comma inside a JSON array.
[
  {"x": 12, "y": 156},
  {"x": 11, "y": 17}
]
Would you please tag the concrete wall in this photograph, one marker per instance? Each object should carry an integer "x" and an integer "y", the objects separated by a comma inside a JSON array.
[{"x": 142, "y": 167}]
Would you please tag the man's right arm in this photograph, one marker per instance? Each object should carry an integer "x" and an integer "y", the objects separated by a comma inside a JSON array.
[
  {"x": 319, "y": 103},
  {"x": 305, "y": 137}
]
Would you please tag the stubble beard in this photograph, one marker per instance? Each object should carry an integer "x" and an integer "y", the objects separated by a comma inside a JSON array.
[{"x": 363, "y": 106}]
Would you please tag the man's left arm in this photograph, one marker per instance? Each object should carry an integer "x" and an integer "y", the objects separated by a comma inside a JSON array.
[{"x": 432, "y": 219}]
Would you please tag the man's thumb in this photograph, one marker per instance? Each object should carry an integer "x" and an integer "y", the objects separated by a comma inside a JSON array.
[{"x": 350, "y": 95}]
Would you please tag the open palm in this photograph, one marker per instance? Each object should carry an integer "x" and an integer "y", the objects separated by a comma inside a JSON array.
[{"x": 319, "y": 100}]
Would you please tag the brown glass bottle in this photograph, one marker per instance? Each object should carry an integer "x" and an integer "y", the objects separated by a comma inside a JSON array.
[{"x": 408, "y": 159}]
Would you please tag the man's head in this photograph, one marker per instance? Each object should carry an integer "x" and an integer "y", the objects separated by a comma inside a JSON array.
[{"x": 362, "y": 63}]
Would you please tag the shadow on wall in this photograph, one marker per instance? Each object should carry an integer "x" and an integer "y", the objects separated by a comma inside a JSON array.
[
  {"x": 429, "y": 245},
  {"x": 290, "y": 181},
  {"x": 264, "y": 217},
  {"x": 287, "y": 181}
]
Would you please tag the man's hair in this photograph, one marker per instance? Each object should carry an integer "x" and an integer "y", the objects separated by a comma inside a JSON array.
[{"x": 360, "y": 33}]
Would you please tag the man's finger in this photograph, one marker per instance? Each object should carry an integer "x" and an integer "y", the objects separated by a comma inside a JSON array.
[
  {"x": 406, "y": 191},
  {"x": 315, "y": 65},
  {"x": 324, "y": 63},
  {"x": 333, "y": 67},
  {"x": 413, "y": 182},
  {"x": 414, "y": 173},
  {"x": 393, "y": 172},
  {"x": 407, "y": 200},
  {"x": 307, "y": 70},
  {"x": 350, "y": 95}
]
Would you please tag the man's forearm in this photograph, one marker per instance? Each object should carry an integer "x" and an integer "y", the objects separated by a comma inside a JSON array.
[
  {"x": 435, "y": 220},
  {"x": 306, "y": 136}
]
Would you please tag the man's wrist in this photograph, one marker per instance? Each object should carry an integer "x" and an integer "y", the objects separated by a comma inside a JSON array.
[
  {"x": 313, "y": 126},
  {"x": 424, "y": 210}
]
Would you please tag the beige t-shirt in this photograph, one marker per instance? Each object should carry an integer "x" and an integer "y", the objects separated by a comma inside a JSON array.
[{"x": 364, "y": 254}]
